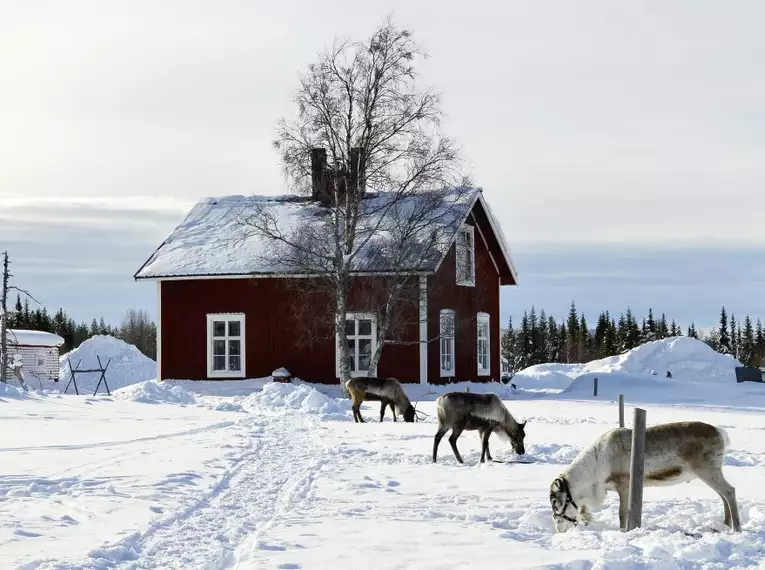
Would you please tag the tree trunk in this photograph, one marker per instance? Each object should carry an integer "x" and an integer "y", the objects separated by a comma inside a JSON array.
[
  {"x": 341, "y": 309},
  {"x": 4, "y": 320}
]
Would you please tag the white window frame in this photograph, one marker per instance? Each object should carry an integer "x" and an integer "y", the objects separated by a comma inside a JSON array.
[
  {"x": 446, "y": 341},
  {"x": 228, "y": 317},
  {"x": 356, "y": 317},
  {"x": 461, "y": 252},
  {"x": 483, "y": 319}
]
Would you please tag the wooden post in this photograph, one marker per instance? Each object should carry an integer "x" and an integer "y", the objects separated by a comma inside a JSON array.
[
  {"x": 621, "y": 410},
  {"x": 637, "y": 471},
  {"x": 595, "y": 386}
]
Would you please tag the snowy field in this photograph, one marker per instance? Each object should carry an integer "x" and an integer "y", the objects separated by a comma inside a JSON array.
[{"x": 219, "y": 475}]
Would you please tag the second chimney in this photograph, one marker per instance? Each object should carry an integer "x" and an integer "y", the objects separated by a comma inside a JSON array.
[{"x": 318, "y": 172}]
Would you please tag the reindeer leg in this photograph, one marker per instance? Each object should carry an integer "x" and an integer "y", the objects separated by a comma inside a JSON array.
[
  {"x": 727, "y": 493},
  {"x": 624, "y": 503},
  {"x": 485, "y": 444},
  {"x": 456, "y": 432},
  {"x": 437, "y": 440},
  {"x": 393, "y": 409},
  {"x": 382, "y": 410}
]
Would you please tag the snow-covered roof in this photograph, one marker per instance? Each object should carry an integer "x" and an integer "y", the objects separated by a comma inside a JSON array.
[
  {"x": 214, "y": 241},
  {"x": 33, "y": 338}
]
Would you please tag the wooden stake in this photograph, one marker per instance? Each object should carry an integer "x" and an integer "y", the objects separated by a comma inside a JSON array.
[
  {"x": 637, "y": 471},
  {"x": 621, "y": 410}
]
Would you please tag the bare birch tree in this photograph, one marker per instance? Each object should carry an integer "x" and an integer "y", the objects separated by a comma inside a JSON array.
[{"x": 366, "y": 145}]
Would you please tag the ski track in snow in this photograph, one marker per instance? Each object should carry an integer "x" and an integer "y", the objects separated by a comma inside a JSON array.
[{"x": 270, "y": 479}]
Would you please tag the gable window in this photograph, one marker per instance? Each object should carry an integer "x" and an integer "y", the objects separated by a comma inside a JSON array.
[
  {"x": 447, "y": 343},
  {"x": 225, "y": 345},
  {"x": 484, "y": 367},
  {"x": 361, "y": 334},
  {"x": 465, "y": 256}
]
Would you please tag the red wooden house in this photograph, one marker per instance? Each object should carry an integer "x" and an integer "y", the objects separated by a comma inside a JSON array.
[{"x": 222, "y": 311}]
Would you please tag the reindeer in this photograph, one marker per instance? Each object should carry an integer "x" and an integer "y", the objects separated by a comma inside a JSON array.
[
  {"x": 459, "y": 411},
  {"x": 674, "y": 453},
  {"x": 388, "y": 391}
]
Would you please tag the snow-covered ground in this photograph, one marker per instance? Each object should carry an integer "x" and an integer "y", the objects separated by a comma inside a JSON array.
[{"x": 246, "y": 475}]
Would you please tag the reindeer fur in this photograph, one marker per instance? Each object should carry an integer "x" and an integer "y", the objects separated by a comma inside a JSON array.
[
  {"x": 459, "y": 411},
  {"x": 674, "y": 453},
  {"x": 388, "y": 391}
]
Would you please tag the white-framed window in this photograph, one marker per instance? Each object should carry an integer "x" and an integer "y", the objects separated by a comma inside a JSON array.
[
  {"x": 225, "y": 345},
  {"x": 466, "y": 256},
  {"x": 361, "y": 335},
  {"x": 482, "y": 348},
  {"x": 446, "y": 323}
]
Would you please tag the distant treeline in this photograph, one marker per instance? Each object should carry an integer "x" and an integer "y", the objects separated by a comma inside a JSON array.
[
  {"x": 541, "y": 339},
  {"x": 136, "y": 327}
]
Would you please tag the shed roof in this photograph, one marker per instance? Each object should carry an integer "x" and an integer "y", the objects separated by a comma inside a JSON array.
[
  {"x": 20, "y": 337},
  {"x": 213, "y": 241}
]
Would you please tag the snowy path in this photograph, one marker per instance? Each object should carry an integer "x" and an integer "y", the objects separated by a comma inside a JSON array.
[{"x": 137, "y": 486}]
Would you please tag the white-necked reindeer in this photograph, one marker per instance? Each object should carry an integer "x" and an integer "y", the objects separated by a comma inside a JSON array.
[
  {"x": 387, "y": 391},
  {"x": 674, "y": 453}
]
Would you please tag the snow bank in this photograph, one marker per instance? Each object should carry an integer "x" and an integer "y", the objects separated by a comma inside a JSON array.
[
  {"x": 128, "y": 364},
  {"x": 11, "y": 392},
  {"x": 687, "y": 359},
  {"x": 277, "y": 396},
  {"x": 155, "y": 392}
]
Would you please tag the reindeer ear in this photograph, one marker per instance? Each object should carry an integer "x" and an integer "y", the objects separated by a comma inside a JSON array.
[{"x": 524, "y": 424}]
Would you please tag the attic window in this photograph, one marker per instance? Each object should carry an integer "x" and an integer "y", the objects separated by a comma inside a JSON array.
[{"x": 466, "y": 256}]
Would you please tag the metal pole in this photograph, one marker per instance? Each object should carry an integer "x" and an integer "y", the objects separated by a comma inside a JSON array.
[
  {"x": 595, "y": 386},
  {"x": 637, "y": 471}
]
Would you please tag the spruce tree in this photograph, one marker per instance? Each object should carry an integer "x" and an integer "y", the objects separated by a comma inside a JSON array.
[
  {"x": 584, "y": 341},
  {"x": 723, "y": 341},
  {"x": 733, "y": 336},
  {"x": 541, "y": 350},
  {"x": 746, "y": 347},
  {"x": 572, "y": 340},
  {"x": 649, "y": 328},
  {"x": 674, "y": 330},
  {"x": 553, "y": 340}
]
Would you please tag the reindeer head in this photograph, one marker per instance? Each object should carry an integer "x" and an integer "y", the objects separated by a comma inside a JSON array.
[
  {"x": 516, "y": 439},
  {"x": 409, "y": 413},
  {"x": 565, "y": 511}
]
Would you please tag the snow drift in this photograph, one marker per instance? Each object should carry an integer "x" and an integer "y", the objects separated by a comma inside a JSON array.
[
  {"x": 155, "y": 392},
  {"x": 128, "y": 364},
  {"x": 685, "y": 358},
  {"x": 277, "y": 396}
]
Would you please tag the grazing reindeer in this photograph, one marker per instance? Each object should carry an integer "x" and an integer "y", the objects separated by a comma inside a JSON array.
[
  {"x": 386, "y": 390},
  {"x": 674, "y": 453},
  {"x": 459, "y": 411}
]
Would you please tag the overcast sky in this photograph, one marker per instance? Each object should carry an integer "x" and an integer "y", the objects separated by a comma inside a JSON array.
[{"x": 609, "y": 137}]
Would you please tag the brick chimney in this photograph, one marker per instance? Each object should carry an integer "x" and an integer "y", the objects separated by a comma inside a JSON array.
[{"x": 319, "y": 173}]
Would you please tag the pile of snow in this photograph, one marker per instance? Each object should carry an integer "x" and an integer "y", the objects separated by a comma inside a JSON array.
[
  {"x": 128, "y": 364},
  {"x": 685, "y": 358},
  {"x": 278, "y": 396},
  {"x": 155, "y": 392},
  {"x": 8, "y": 391}
]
